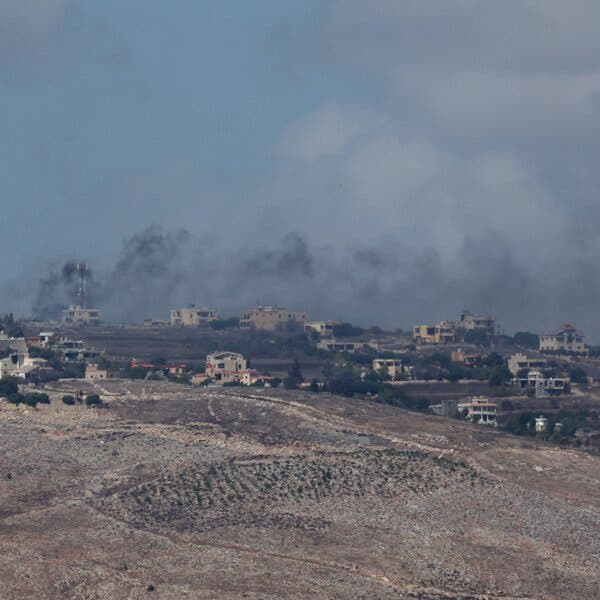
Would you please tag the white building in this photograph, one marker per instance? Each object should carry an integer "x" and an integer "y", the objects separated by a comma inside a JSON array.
[
  {"x": 392, "y": 366},
  {"x": 480, "y": 410},
  {"x": 332, "y": 345},
  {"x": 79, "y": 315},
  {"x": 536, "y": 384},
  {"x": 21, "y": 365}
]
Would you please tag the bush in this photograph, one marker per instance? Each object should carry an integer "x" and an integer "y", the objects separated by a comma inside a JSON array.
[
  {"x": 92, "y": 400},
  {"x": 8, "y": 386},
  {"x": 68, "y": 399},
  {"x": 35, "y": 398}
]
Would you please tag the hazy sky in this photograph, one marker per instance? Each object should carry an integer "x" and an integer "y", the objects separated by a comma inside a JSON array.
[{"x": 386, "y": 161}]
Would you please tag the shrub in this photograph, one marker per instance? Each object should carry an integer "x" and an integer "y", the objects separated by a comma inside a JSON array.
[
  {"x": 68, "y": 399},
  {"x": 92, "y": 400}
]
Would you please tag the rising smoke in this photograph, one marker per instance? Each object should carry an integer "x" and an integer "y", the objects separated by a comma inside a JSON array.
[{"x": 388, "y": 285}]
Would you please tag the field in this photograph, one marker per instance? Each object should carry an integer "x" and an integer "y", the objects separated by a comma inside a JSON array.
[{"x": 174, "y": 492}]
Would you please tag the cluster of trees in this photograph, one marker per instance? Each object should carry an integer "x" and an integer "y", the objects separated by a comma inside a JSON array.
[
  {"x": 90, "y": 400},
  {"x": 9, "y": 389},
  {"x": 11, "y": 327},
  {"x": 523, "y": 423}
]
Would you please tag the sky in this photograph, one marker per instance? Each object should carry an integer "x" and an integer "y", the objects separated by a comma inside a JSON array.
[{"x": 389, "y": 162}]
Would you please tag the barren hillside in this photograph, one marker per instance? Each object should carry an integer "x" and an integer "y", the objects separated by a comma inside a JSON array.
[{"x": 174, "y": 492}]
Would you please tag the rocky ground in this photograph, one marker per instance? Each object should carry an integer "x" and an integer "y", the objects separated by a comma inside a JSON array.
[{"x": 178, "y": 492}]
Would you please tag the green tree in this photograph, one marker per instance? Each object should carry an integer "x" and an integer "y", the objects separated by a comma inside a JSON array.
[
  {"x": 578, "y": 375},
  {"x": 526, "y": 339},
  {"x": 499, "y": 375},
  {"x": 93, "y": 400},
  {"x": 477, "y": 337},
  {"x": 68, "y": 399},
  {"x": 294, "y": 378}
]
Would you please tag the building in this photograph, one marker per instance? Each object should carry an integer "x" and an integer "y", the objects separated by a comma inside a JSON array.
[
  {"x": 332, "y": 345},
  {"x": 94, "y": 373},
  {"x": 392, "y": 366},
  {"x": 442, "y": 333},
  {"x": 13, "y": 344},
  {"x": 447, "y": 408},
  {"x": 75, "y": 351},
  {"x": 79, "y": 315},
  {"x": 192, "y": 316},
  {"x": 22, "y": 366},
  {"x": 535, "y": 384},
  {"x": 323, "y": 328},
  {"x": 541, "y": 424},
  {"x": 565, "y": 339},
  {"x": 469, "y": 322},
  {"x": 519, "y": 362},
  {"x": 271, "y": 318},
  {"x": 470, "y": 359},
  {"x": 480, "y": 410},
  {"x": 228, "y": 367}
]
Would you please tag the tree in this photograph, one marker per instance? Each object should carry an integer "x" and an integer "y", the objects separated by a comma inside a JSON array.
[
  {"x": 294, "y": 378},
  {"x": 8, "y": 386},
  {"x": 68, "y": 399},
  {"x": 314, "y": 386},
  {"x": 499, "y": 375},
  {"x": 578, "y": 375},
  {"x": 477, "y": 337},
  {"x": 456, "y": 372},
  {"x": 526, "y": 339},
  {"x": 92, "y": 400},
  {"x": 342, "y": 330}
]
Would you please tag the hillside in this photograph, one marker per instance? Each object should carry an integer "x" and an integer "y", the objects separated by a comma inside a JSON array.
[{"x": 175, "y": 492}]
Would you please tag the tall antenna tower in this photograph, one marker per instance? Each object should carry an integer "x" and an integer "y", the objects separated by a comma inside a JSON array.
[{"x": 82, "y": 270}]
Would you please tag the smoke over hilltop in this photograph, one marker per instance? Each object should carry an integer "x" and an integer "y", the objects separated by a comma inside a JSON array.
[{"x": 389, "y": 284}]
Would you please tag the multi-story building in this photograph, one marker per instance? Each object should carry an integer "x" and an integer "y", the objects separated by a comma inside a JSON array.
[
  {"x": 537, "y": 385},
  {"x": 332, "y": 345},
  {"x": 192, "y": 316},
  {"x": 323, "y": 328},
  {"x": 442, "y": 333},
  {"x": 79, "y": 315},
  {"x": 75, "y": 351},
  {"x": 520, "y": 362},
  {"x": 22, "y": 366},
  {"x": 271, "y": 318},
  {"x": 392, "y": 366},
  {"x": 565, "y": 339},
  {"x": 471, "y": 359},
  {"x": 446, "y": 408},
  {"x": 480, "y": 410},
  {"x": 469, "y": 322}
]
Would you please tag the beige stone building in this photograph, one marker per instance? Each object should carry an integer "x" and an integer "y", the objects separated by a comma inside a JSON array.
[
  {"x": 94, "y": 373},
  {"x": 271, "y": 318},
  {"x": 323, "y": 328},
  {"x": 565, "y": 339},
  {"x": 470, "y": 322},
  {"x": 192, "y": 316},
  {"x": 519, "y": 362},
  {"x": 442, "y": 333}
]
